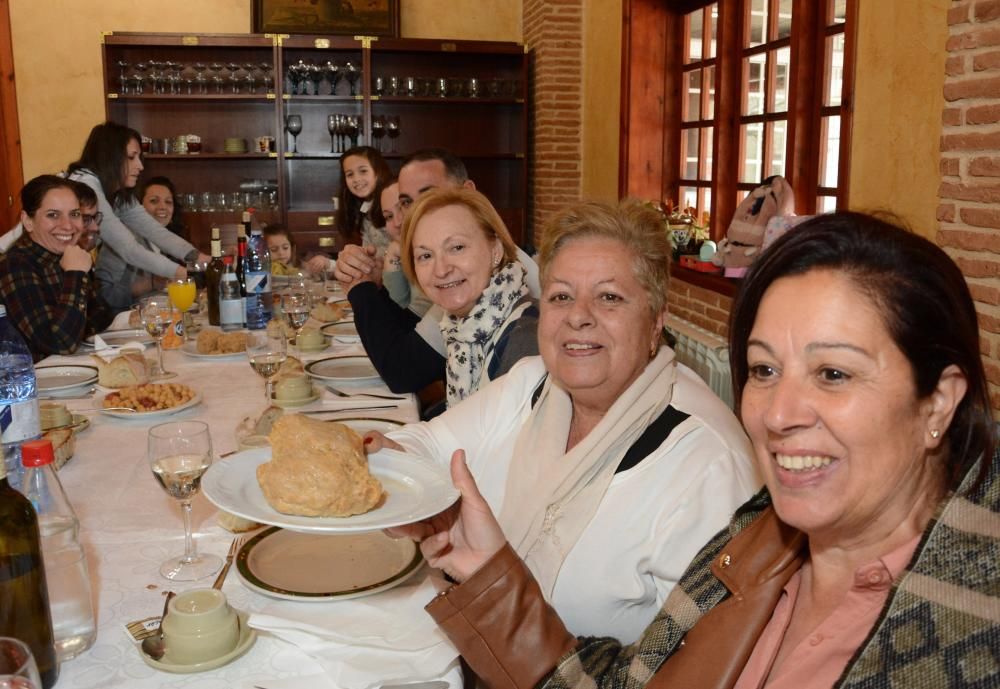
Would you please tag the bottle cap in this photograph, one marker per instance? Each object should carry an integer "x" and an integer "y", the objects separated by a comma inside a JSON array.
[
  {"x": 216, "y": 233},
  {"x": 36, "y": 453}
]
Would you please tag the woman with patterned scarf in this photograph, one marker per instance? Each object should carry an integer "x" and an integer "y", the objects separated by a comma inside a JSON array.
[
  {"x": 870, "y": 559},
  {"x": 608, "y": 462},
  {"x": 456, "y": 247}
]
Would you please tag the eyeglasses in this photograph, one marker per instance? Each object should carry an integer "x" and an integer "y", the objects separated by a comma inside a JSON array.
[{"x": 94, "y": 219}]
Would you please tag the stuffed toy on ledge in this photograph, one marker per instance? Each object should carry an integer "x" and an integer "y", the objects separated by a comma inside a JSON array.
[{"x": 745, "y": 235}]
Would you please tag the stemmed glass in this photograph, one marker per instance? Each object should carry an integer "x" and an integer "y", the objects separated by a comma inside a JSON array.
[
  {"x": 378, "y": 130},
  {"x": 157, "y": 316},
  {"x": 392, "y": 129},
  {"x": 315, "y": 75},
  {"x": 268, "y": 76},
  {"x": 123, "y": 65},
  {"x": 333, "y": 126},
  {"x": 352, "y": 74},
  {"x": 182, "y": 294},
  {"x": 179, "y": 453},
  {"x": 293, "y": 125},
  {"x": 216, "y": 69},
  {"x": 140, "y": 76},
  {"x": 233, "y": 78},
  {"x": 250, "y": 78},
  {"x": 296, "y": 307},
  {"x": 17, "y": 666},
  {"x": 267, "y": 349},
  {"x": 333, "y": 75},
  {"x": 199, "y": 79}
]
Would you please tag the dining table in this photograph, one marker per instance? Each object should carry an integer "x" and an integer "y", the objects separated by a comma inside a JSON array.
[{"x": 129, "y": 525}]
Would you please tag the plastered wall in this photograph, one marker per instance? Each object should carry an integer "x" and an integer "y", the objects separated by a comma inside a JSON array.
[{"x": 57, "y": 56}]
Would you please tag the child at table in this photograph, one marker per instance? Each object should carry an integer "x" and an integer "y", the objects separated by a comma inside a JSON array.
[
  {"x": 281, "y": 245},
  {"x": 363, "y": 173}
]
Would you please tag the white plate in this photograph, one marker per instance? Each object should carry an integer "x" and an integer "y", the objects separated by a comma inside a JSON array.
[
  {"x": 120, "y": 337},
  {"x": 320, "y": 567},
  {"x": 415, "y": 489},
  {"x": 343, "y": 369},
  {"x": 191, "y": 349},
  {"x": 291, "y": 404},
  {"x": 342, "y": 331},
  {"x": 152, "y": 414},
  {"x": 362, "y": 426},
  {"x": 53, "y": 378}
]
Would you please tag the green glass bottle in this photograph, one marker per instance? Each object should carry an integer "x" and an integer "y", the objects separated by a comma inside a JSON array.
[{"x": 24, "y": 596}]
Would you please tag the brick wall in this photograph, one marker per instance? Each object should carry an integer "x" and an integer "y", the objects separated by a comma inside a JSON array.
[
  {"x": 553, "y": 29},
  {"x": 703, "y": 307},
  {"x": 969, "y": 210}
]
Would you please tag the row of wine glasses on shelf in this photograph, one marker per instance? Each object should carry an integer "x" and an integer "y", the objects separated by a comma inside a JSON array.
[
  {"x": 345, "y": 130},
  {"x": 305, "y": 77},
  {"x": 445, "y": 87},
  {"x": 175, "y": 78},
  {"x": 229, "y": 201}
]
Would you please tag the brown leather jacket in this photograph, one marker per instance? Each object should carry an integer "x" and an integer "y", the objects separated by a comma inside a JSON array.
[{"x": 500, "y": 622}]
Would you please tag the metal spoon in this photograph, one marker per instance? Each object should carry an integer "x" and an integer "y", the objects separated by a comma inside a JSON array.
[
  {"x": 153, "y": 646},
  {"x": 341, "y": 393}
]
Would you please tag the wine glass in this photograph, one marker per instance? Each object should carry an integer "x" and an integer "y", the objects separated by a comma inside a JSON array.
[
  {"x": 17, "y": 666},
  {"x": 250, "y": 78},
  {"x": 267, "y": 75},
  {"x": 179, "y": 453},
  {"x": 293, "y": 125},
  {"x": 333, "y": 126},
  {"x": 199, "y": 79},
  {"x": 333, "y": 75},
  {"x": 123, "y": 65},
  {"x": 315, "y": 75},
  {"x": 296, "y": 307},
  {"x": 233, "y": 76},
  {"x": 156, "y": 316},
  {"x": 267, "y": 350},
  {"x": 392, "y": 130},
  {"x": 378, "y": 130},
  {"x": 352, "y": 74}
]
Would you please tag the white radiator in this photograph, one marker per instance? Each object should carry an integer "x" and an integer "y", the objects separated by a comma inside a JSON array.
[{"x": 704, "y": 352}]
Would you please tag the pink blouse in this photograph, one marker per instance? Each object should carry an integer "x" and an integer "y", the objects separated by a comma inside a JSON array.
[{"x": 819, "y": 659}]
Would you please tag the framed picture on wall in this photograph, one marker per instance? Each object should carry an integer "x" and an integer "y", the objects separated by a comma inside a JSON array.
[{"x": 335, "y": 17}]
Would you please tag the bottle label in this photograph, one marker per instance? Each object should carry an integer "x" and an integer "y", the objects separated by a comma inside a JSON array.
[
  {"x": 257, "y": 282},
  {"x": 231, "y": 311},
  {"x": 20, "y": 421}
]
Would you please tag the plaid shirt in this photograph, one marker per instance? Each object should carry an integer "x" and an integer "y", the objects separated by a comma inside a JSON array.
[{"x": 53, "y": 309}]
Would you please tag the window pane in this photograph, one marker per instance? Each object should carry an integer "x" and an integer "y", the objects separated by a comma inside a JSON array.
[
  {"x": 784, "y": 18},
  {"x": 777, "y": 134},
  {"x": 709, "y": 80},
  {"x": 834, "y": 86},
  {"x": 713, "y": 28},
  {"x": 689, "y": 154},
  {"x": 756, "y": 22},
  {"x": 688, "y": 197},
  {"x": 782, "y": 58},
  {"x": 704, "y": 213},
  {"x": 752, "y": 136},
  {"x": 839, "y": 11},
  {"x": 830, "y": 155},
  {"x": 694, "y": 36},
  {"x": 706, "y": 163},
  {"x": 692, "y": 103},
  {"x": 754, "y": 103},
  {"x": 826, "y": 204}
]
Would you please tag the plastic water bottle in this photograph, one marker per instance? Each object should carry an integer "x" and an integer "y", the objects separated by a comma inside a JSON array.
[
  {"x": 19, "y": 420},
  {"x": 73, "y": 627},
  {"x": 258, "y": 277}
]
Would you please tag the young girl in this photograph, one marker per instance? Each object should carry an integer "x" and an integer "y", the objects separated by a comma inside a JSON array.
[
  {"x": 363, "y": 174},
  {"x": 281, "y": 244}
]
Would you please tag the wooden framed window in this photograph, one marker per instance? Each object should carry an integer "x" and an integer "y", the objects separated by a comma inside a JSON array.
[{"x": 748, "y": 89}]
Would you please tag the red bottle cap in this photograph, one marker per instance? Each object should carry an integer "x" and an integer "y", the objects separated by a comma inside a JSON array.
[{"x": 36, "y": 453}]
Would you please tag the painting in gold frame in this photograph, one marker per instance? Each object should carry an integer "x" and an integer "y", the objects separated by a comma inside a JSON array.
[{"x": 334, "y": 17}]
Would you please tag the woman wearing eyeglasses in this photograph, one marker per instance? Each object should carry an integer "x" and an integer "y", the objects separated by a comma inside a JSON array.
[{"x": 46, "y": 282}]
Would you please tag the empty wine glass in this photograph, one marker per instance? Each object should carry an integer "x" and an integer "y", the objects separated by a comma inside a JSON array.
[
  {"x": 251, "y": 80},
  {"x": 216, "y": 69},
  {"x": 267, "y": 349},
  {"x": 199, "y": 79},
  {"x": 179, "y": 453},
  {"x": 156, "y": 315},
  {"x": 268, "y": 76},
  {"x": 392, "y": 130},
  {"x": 293, "y": 125},
  {"x": 296, "y": 307},
  {"x": 233, "y": 77},
  {"x": 17, "y": 666},
  {"x": 378, "y": 130},
  {"x": 352, "y": 74},
  {"x": 123, "y": 65},
  {"x": 140, "y": 76},
  {"x": 333, "y": 126},
  {"x": 315, "y": 75}
]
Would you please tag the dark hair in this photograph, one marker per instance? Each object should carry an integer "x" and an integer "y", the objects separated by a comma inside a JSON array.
[
  {"x": 104, "y": 155},
  {"x": 349, "y": 215},
  {"x": 279, "y": 230},
  {"x": 375, "y": 212},
  {"x": 453, "y": 165},
  {"x": 922, "y": 296},
  {"x": 176, "y": 224},
  {"x": 33, "y": 193},
  {"x": 87, "y": 196}
]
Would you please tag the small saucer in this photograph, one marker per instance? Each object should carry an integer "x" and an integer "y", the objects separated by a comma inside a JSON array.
[
  {"x": 247, "y": 638},
  {"x": 313, "y": 348},
  {"x": 290, "y": 404}
]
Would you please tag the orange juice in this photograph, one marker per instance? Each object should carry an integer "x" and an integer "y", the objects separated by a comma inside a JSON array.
[{"x": 182, "y": 294}]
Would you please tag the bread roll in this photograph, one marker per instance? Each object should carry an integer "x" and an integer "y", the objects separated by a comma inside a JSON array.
[{"x": 128, "y": 368}]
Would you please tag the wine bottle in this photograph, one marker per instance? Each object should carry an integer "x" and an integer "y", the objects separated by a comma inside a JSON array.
[
  {"x": 24, "y": 594},
  {"x": 213, "y": 278},
  {"x": 241, "y": 265}
]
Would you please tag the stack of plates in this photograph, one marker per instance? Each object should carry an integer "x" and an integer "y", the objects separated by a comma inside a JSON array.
[
  {"x": 235, "y": 145},
  {"x": 64, "y": 381}
]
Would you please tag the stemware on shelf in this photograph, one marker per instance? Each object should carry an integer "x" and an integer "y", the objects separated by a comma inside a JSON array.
[
  {"x": 199, "y": 79},
  {"x": 140, "y": 76},
  {"x": 333, "y": 126},
  {"x": 123, "y": 65},
  {"x": 378, "y": 130},
  {"x": 265, "y": 68},
  {"x": 293, "y": 125},
  {"x": 392, "y": 130},
  {"x": 332, "y": 75},
  {"x": 179, "y": 453},
  {"x": 216, "y": 69},
  {"x": 156, "y": 316},
  {"x": 315, "y": 75},
  {"x": 267, "y": 349},
  {"x": 378, "y": 86},
  {"x": 234, "y": 78},
  {"x": 352, "y": 74},
  {"x": 251, "y": 80}
]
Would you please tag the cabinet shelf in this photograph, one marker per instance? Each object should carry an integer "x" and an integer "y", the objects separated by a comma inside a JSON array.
[{"x": 489, "y": 132}]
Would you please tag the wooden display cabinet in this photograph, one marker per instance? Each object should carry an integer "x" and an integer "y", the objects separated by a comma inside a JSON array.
[{"x": 466, "y": 96}]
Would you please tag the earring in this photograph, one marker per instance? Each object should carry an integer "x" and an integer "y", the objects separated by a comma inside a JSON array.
[
  {"x": 496, "y": 261},
  {"x": 935, "y": 433}
]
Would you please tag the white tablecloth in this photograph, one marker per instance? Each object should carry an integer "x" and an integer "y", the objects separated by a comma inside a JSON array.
[{"x": 129, "y": 526}]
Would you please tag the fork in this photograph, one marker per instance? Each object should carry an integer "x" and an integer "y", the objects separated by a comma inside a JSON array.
[
  {"x": 234, "y": 548},
  {"x": 341, "y": 393}
]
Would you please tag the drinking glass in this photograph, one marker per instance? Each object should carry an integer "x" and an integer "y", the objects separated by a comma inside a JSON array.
[
  {"x": 17, "y": 666},
  {"x": 378, "y": 129},
  {"x": 179, "y": 453},
  {"x": 333, "y": 126},
  {"x": 293, "y": 125},
  {"x": 392, "y": 130},
  {"x": 156, "y": 316},
  {"x": 267, "y": 350},
  {"x": 352, "y": 74},
  {"x": 296, "y": 307}
]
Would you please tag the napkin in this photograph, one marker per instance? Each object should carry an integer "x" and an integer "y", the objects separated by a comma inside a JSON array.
[
  {"x": 384, "y": 639},
  {"x": 108, "y": 352}
]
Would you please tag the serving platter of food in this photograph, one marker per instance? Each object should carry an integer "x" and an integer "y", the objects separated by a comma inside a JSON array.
[
  {"x": 216, "y": 344},
  {"x": 316, "y": 478},
  {"x": 150, "y": 400}
]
